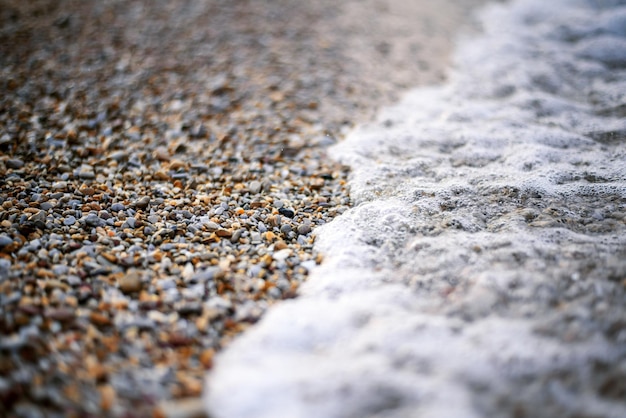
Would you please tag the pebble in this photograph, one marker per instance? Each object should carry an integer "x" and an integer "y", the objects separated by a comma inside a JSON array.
[
  {"x": 304, "y": 229},
  {"x": 282, "y": 255},
  {"x": 143, "y": 202},
  {"x": 92, "y": 220},
  {"x": 287, "y": 212},
  {"x": 86, "y": 172},
  {"x": 130, "y": 282},
  {"x": 40, "y": 216},
  {"x": 255, "y": 186},
  {"x": 212, "y": 226},
  {"x": 14, "y": 163},
  {"x": 69, "y": 220},
  {"x": 116, "y": 207},
  {"x": 5, "y": 241}
]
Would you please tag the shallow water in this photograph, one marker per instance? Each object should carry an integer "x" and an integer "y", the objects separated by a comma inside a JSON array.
[{"x": 482, "y": 270}]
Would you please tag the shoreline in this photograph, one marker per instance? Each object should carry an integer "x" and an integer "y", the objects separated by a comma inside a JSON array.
[{"x": 481, "y": 269}]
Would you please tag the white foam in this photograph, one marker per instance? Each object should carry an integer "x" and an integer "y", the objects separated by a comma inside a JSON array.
[{"x": 481, "y": 263}]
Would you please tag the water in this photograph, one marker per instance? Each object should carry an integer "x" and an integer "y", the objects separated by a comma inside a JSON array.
[{"x": 482, "y": 271}]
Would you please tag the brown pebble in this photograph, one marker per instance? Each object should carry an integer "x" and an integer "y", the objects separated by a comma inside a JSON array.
[
  {"x": 280, "y": 245},
  {"x": 224, "y": 233},
  {"x": 107, "y": 397},
  {"x": 99, "y": 319},
  {"x": 161, "y": 175},
  {"x": 130, "y": 282},
  {"x": 176, "y": 164}
]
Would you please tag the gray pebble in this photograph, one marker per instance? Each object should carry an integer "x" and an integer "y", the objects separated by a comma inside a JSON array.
[
  {"x": 143, "y": 202},
  {"x": 254, "y": 186},
  {"x": 86, "y": 172},
  {"x": 73, "y": 280},
  {"x": 5, "y": 240},
  {"x": 304, "y": 229},
  {"x": 205, "y": 275},
  {"x": 131, "y": 222},
  {"x": 255, "y": 237},
  {"x": 212, "y": 226},
  {"x": 167, "y": 284},
  {"x": 274, "y": 293},
  {"x": 14, "y": 163},
  {"x": 69, "y": 220},
  {"x": 118, "y": 155},
  {"x": 92, "y": 220},
  {"x": 116, "y": 207},
  {"x": 38, "y": 217},
  {"x": 254, "y": 270},
  {"x": 285, "y": 229},
  {"x": 236, "y": 236},
  {"x": 60, "y": 269}
]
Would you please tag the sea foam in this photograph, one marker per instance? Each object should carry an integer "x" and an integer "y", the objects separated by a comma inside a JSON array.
[{"x": 482, "y": 270}]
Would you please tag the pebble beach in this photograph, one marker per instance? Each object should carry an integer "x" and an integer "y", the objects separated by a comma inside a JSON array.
[{"x": 163, "y": 171}]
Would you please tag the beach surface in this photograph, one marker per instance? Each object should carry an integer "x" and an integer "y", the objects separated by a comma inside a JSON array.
[
  {"x": 164, "y": 170},
  {"x": 481, "y": 271}
]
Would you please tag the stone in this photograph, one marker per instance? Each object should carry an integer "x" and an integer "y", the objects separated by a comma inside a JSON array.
[
  {"x": 5, "y": 241},
  {"x": 130, "y": 282},
  {"x": 254, "y": 186},
  {"x": 142, "y": 202},
  {"x": 14, "y": 163}
]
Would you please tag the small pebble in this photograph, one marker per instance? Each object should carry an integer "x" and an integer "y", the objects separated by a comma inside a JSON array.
[
  {"x": 14, "y": 163},
  {"x": 143, "y": 202},
  {"x": 286, "y": 212},
  {"x": 130, "y": 282},
  {"x": 304, "y": 229},
  {"x": 5, "y": 241},
  {"x": 116, "y": 207},
  {"x": 254, "y": 186}
]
